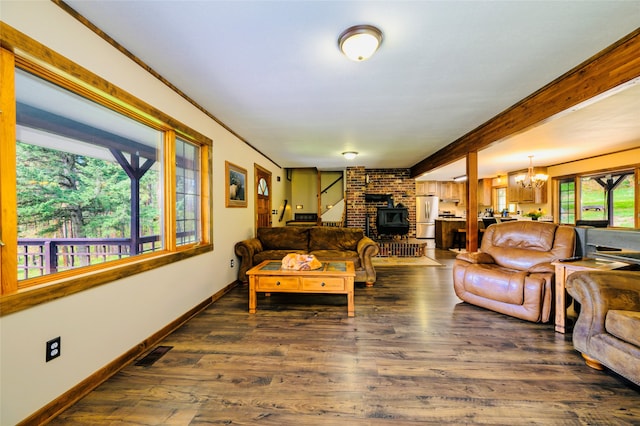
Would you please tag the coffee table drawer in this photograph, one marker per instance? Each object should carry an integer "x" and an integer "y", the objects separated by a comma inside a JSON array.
[
  {"x": 322, "y": 283},
  {"x": 274, "y": 283}
]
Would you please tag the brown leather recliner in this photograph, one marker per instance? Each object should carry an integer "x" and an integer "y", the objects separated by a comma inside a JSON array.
[
  {"x": 606, "y": 332},
  {"x": 512, "y": 273}
]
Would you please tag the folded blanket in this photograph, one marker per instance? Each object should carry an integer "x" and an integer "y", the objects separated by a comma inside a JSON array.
[{"x": 300, "y": 262}]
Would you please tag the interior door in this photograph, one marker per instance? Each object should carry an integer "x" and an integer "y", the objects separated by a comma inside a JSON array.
[{"x": 263, "y": 196}]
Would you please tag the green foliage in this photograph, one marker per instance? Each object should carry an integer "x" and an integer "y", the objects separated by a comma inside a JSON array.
[
  {"x": 623, "y": 202},
  {"x": 61, "y": 194}
]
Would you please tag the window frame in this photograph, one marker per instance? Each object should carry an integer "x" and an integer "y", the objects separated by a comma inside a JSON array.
[
  {"x": 621, "y": 173},
  {"x": 633, "y": 170},
  {"x": 175, "y": 193},
  {"x": 570, "y": 180},
  {"x": 500, "y": 192},
  {"x": 20, "y": 51}
]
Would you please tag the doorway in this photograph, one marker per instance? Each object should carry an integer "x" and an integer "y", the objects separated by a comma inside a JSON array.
[{"x": 263, "y": 197}]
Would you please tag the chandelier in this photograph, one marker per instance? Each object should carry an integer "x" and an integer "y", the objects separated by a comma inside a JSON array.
[{"x": 531, "y": 180}]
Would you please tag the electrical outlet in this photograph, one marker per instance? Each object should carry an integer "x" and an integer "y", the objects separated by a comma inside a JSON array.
[
  {"x": 53, "y": 349},
  {"x": 231, "y": 263}
]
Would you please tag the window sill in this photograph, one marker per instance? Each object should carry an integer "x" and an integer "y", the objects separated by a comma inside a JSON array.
[{"x": 33, "y": 296}]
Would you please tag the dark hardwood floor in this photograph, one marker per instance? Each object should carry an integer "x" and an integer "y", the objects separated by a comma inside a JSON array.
[{"x": 413, "y": 354}]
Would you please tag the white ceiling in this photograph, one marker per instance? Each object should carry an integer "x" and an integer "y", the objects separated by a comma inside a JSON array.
[{"x": 272, "y": 72}]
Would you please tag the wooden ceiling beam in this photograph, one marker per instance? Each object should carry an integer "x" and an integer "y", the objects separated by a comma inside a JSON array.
[{"x": 615, "y": 65}]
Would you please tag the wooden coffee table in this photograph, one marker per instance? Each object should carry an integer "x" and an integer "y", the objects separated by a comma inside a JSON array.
[{"x": 333, "y": 278}]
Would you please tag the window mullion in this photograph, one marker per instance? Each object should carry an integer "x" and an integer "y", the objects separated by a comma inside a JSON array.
[
  {"x": 205, "y": 197},
  {"x": 169, "y": 176}
]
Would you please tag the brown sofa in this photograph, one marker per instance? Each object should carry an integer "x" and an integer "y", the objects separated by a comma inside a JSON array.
[
  {"x": 326, "y": 243},
  {"x": 606, "y": 332},
  {"x": 512, "y": 273}
]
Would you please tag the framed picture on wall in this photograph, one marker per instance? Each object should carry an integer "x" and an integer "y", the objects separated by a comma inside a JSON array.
[{"x": 236, "y": 185}]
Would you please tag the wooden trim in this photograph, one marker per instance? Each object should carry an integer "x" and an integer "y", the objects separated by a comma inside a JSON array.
[
  {"x": 84, "y": 21},
  {"x": 169, "y": 207},
  {"x": 8, "y": 195},
  {"x": 44, "y": 62},
  {"x": 206, "y": 204},
  {"x": 51, "y": 65},
  {"x": 257, "y": 170},
  {"x": 319, "y": 197},
  {"x": 636, "y": 177},
  {"x": 89, "y": 91},
  {"x": 615, "y": 65},
  {"x": 73, "y": 395},
  {"x": 33, "y": 296},
  {"x": 472, "y": 201}
]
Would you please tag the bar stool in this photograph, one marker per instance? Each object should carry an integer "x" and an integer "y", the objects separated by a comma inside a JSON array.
[{"x": 460, "y": 238}]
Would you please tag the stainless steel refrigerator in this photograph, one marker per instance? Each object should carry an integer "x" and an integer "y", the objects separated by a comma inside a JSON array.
[{"x": 426, "y": 214}]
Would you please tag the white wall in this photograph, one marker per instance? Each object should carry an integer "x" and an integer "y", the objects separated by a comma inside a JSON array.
[
  {"x": 609, "y": 161},
  {"x": 336, "y": 213},
  {"x": 98, "y": 325}
]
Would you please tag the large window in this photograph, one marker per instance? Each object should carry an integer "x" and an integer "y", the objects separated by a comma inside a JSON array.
[
  {"x": 97, "y": 178},
  {"x": 609, "y": 197},
  {"x": 605, "y": 197},
  {"x": 501, "y": 199},
  {"x": 89, "y": 181}
]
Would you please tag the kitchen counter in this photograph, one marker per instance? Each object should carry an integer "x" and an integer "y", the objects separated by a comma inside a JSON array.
[
  {"x": 455, "y": 219},
  {"x": 445, "y": 228}
]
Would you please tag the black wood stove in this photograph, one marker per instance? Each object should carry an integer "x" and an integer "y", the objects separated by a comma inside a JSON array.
[{"x": 392, "y": 220}]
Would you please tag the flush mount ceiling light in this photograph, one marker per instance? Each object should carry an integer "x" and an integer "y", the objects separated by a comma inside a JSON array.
[
  {"x": 349, "y": 155},
  {"x": 360, "y": 42},
  {"x": 531, "y": 180}
]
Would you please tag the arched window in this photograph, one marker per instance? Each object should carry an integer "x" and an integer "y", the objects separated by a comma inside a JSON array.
[{"x": 263, "y": 188}]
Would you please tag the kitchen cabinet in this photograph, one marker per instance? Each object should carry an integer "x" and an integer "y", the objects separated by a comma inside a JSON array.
[
  {"x": 462, "y": 193},
  {"x": 445, "y": 190},
  {"x": 517, "y": 194},
  {"x": 530, "y": 195},
  {"x": 449, "y": 191},
  {"x": 427, "y": 187},
  {"x": 484, "y": 193},
  {"x": 513, "y": 189}
]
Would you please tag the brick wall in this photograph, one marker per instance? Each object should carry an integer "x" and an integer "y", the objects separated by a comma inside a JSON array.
[{"x": 381, "y": 181}]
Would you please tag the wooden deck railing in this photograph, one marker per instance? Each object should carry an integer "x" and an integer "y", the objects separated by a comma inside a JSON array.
[{"x": 37, "y": 257}]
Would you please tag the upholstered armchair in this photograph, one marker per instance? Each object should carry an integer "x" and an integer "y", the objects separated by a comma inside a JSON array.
[
  {"x": 512, "y": 273},
  {"x": 607, "y": 331}
]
